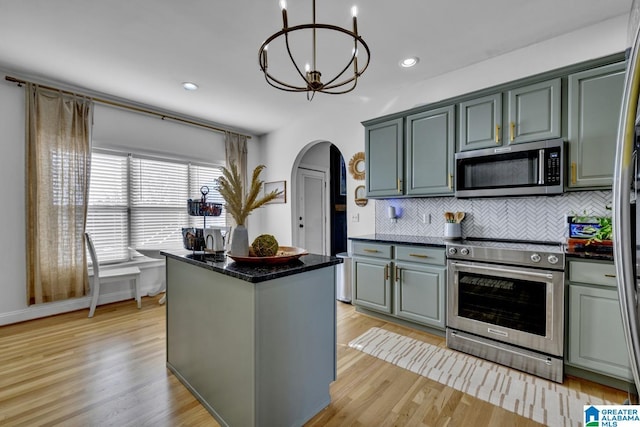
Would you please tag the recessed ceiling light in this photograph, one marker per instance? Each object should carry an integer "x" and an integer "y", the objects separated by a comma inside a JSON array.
[
  {"x": 409, "y": 62},
  {"x": 189, "y": 86}
]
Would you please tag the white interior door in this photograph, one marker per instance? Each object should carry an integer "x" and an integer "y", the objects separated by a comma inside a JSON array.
[{"x": 311, "y": 215}]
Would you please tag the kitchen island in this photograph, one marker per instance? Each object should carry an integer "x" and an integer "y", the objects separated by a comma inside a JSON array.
[{"x": 256, "y": 344}]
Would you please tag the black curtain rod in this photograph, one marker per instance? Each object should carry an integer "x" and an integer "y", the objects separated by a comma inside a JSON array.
[{"x": 129, "y": 107}]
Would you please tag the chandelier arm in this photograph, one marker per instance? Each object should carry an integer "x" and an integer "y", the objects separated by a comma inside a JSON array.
[
  {"x": 356, "y": 74},
  {"x": 274, "y": 82},
  {"x": 329, "y": 90},
  {"x": 293, "y": 61},
  {"x": 263, "y": 65},
  {"x": 282, "y": 85}
]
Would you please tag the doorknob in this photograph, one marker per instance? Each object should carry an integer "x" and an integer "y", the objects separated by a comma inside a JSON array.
[{"x": 301, "y": 226}]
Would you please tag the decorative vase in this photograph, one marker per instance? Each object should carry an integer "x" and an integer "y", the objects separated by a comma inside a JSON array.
[{"x": 240, "y": 241}]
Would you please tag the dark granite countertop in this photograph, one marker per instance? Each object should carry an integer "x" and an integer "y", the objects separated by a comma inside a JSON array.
[
  {"x": 441, "y": 242},
  {"x": 604, "y": 256},
  {"x": 254, "y": 273},
  {"x": 402, "y": 239}
]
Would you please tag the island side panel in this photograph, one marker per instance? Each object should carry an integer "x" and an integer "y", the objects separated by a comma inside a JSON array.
[
  {"x": 211, "y": 341},
  {"x": 296, "y": 346}
]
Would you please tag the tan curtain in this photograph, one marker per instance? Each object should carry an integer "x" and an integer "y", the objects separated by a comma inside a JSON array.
[
  {"x": 236, "y": 151},
  {"x": 58, "y": 156}
]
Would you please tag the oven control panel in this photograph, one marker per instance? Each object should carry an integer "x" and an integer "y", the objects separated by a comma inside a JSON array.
[{"x": 535, "y": 255}]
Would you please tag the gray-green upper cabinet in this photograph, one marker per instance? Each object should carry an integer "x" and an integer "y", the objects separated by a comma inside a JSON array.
[
  {"x": 480, "y": 124},
  {"x": 429, "y": 152},
  {"x": 534, "y": 112},
  {"x": 384, "y": 143},
  {"x": 595, "y": 97}
]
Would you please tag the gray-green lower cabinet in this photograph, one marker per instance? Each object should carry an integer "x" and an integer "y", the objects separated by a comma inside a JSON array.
[
  {"x": 419, "y": 293},
  {"x": 595, "y": 338},
  {"x": 403, "y": 281},
  {"x": 372, "y": 284}
]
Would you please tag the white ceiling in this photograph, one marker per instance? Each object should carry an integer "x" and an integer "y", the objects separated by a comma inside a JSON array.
[{"x": 142, "y": 50}]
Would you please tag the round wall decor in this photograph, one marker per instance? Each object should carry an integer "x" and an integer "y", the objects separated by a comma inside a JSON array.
[{"x": 356, "y": 166}]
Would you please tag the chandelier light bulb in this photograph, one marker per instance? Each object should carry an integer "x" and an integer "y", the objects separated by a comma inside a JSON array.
[
  {"x": 307, "y": 67},
  {"x": 354, "y": 11},
  {"x": 283, "y": 4}
]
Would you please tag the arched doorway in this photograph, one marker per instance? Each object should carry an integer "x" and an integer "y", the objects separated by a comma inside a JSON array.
[{"x": 318, "y": 193}]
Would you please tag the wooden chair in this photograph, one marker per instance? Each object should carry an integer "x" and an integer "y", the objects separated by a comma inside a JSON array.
[{"x": 109, "y": 276}]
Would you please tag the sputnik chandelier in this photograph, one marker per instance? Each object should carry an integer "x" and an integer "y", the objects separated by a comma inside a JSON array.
[{"x": 310, "y": 80}]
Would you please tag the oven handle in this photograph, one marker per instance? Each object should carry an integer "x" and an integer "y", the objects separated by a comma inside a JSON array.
[
  {"x": 506, "y": 270},
  {"x": 508, "y": 350}
]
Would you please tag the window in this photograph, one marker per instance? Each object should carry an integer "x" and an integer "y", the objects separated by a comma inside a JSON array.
[{"x": 139, "y": 201}]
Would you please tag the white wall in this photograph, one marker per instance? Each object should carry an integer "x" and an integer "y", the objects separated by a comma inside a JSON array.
[
  {"x": 340, "y": 123},
  {"x": 124, "y": 130},
  {"x": 113, "y": 128},
  {"x": 12, "y": 214}
]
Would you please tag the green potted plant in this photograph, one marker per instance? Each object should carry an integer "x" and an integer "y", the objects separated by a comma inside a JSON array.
[
  {"x": 240, "y": 204},
  {"x": 600, "y": 235}
]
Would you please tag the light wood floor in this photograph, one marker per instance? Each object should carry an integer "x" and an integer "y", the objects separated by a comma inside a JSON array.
[{"x": 69, "y": 370}]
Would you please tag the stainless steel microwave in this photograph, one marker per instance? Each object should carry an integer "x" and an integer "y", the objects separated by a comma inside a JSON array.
[{"x": 515, "y": 170}]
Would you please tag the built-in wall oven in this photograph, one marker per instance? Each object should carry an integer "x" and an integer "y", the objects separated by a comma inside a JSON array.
[{"x": 505, "y": 303}]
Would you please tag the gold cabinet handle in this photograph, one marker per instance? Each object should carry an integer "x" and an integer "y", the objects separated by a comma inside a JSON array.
[
  {"x": 397, "y": 274},
  {"x": 573, "y": 173},
  {"x": 419, "y": 255},
  {"x": 399, "y": 185},
  {"x": 610, "y": 275},
  {"x": 497, "y": 134},
  {"x": 386, "y": 272},
  {"x": 450, "y": 181},
  {"x": 374, "y": 251},
  {"x": 512, "y": 131}
]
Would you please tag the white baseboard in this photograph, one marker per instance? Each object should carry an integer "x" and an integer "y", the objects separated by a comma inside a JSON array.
[{"x": 37, "y": 311}]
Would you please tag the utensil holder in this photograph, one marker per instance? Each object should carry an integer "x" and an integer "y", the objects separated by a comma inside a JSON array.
[{"x": 452, "y": 230}]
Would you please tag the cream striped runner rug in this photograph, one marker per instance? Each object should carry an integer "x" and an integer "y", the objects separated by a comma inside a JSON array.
[{"x": 536, "y": 398}]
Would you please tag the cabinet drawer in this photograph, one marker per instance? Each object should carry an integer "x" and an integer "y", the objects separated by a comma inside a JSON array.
[
  {"x": 377, "y": 250},
  {"x": 420, "y": 254},
  {"x": 603, "y": 274}
]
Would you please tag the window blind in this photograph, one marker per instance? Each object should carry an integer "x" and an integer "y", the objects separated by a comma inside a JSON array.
[
  {"x": 159, "y": 196},
  {"x": 139, "y": 201},
  {"x": 107, "y": 217}
]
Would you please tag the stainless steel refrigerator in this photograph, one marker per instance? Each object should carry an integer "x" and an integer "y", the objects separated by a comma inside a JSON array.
[{"x": 625, "y": 185}]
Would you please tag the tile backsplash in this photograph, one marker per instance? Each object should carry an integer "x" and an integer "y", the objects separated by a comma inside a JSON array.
[{"x": 527, "y": 218}]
